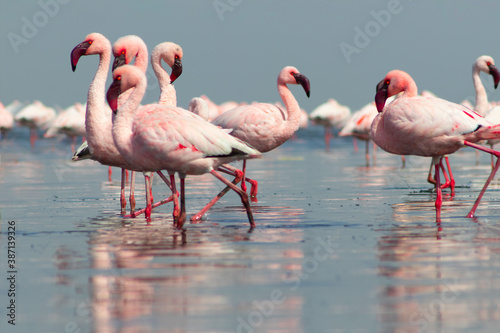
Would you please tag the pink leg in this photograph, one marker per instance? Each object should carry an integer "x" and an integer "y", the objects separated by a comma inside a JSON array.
[
  {"x": 33, "y": 137},
  {"x": 492, "y": 174},
  {"x": 195, "y": 218},
  {"x": 439, "y": 197},
  {"x": 110, "y": 172},
  {"x": 243, "y": 185},
  {"x": 452, "y": 179},
  {"x": 367, "y": 153},
  {"x": 174, "y": 196},
  {"x": 374, "y": 154},
  {"x": 328, "y": 136},
  {"x": 149, "y": 207},
  {"x": 355, "y": 144},
  {"x": 243, "y": 195},
  {"x": 230, "y": 170},
  {"x": 73, "y": 141},
  {"x": 132, "y": 195},
  {"x": 126, "y": 176},
  {"x": 123, "y": 201},
  {"x": 182, "y": 216}
]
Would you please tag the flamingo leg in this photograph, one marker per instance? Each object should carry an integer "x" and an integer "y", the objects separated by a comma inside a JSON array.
[
  {"x": 73, "y": 141},
  {"x": 132, "y": 195},
  {"x": 243, "y": 195},
  {"x": 149, "y": 207},
  {"x": 367, "y": 153},
  {"x": 175, "y": 195},
  {"x": 452, "y": 179},
  {"x": 439, "y": 197},
  {"x": 110, "y": 172},
  {"x": 230, "y": 170},
  {"x": 374, "y": 154},
  {"x": 328, "y": 136},
  {"x": 182, "y": 216},
  {"x": 472, "y": 212},
  {"x": 33, "y": 137},
  {"x": 243, "y": 185},
  {"x": 123, "y": 201},
  {"x": 212, "y": 202},
  {"x": 355, "y": 144}
]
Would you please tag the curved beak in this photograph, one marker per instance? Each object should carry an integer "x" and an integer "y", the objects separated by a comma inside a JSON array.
[
  {"x": 77, "y": 52},
  {"x": 304, "y": 82},
  {"x": 495, "y": 73},
  {"x": 112, "y": 95},
  {"x": 176, "y": 70},
  {"x": 381, "y": 95},
  {"x": 119, "y": 61}
]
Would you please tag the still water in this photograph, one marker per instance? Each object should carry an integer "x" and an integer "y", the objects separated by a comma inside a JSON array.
[{"x": 339, "y": 247}]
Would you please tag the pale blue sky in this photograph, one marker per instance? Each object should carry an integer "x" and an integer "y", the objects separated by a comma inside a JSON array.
[{"x": 236, "y": 53}]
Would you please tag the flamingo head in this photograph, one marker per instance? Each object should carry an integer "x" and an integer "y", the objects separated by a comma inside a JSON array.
[
  {"x": 291, "y": 75},
  {"x": 486, "y": 64},
  {"x": 124, "y": 77},
  {"x": 126, "y": 48},
  {"x": 94, "y": 43},
  {"x": 395, "y": 82},
  {"x": 172, "y": 54}
]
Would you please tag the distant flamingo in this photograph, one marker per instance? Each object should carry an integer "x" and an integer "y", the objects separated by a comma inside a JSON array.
[
  {"x": 71, "y": 122},
  {"x": 331, "y": 115},
  {"x": 359, "y": 126},
  {"x": 199, "y": 106},
  {"x": 6, "y": 121},
  {"x": 427, "y": 126},
  {"x": 35, "y": 116},
  {"x": 157, "y": 138},
  {"x": 265, "y": 126}
]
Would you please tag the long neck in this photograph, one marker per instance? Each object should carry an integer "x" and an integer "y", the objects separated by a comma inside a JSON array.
[
  {"x": 124, "y": 120},
  {"x": 168, "y": 95},
  {"x": 292, "y": 107},
  {"x": 97, "y": 116},
  {"x": 411, "y": 89},
  {"x": 481, "y": 98}
]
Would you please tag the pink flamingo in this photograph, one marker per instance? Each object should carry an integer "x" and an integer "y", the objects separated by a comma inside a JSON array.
[
  {"x": 6, "y": 121},
  {"x": 155, "y": 137},
  {"x": 35, "y": 116},
  {"x": 264, "y": 126},
  {"x": 71, "y": 122},
  {"x": 330, "y": 114},
  {"x": 427, "y": 126},
  {"x": 98, "y": 114},
  {"x": 484, "y": 64},
  {"x": 359, "y": 126}
]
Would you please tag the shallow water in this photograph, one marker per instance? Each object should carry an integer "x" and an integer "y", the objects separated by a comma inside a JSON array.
[{"x": 339, "y": 247}]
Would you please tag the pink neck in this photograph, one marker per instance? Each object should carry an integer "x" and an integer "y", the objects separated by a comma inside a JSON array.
[
  {"x": 168, "y": 95},
  {"x": 97, "y": 119},
  {"x": 481, "y": 98},
  {"x": 124, "y": 120},
  {"x": 291, "y": 106}
]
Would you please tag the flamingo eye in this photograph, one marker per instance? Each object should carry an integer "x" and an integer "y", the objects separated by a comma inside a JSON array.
[
  {"x": 176, "y": 56},
  {"x": 118, "y": 78},
  {"x": 292, "y": 73},
  {"x": 123, "y": 52},
  {"x": 488, "y": 63},
  {"x": 387, "y": 82},
  {"x": 90, "y": 42}
]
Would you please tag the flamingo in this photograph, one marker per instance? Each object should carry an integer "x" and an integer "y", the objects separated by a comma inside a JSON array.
[
  {"x": 427, "y": 126},
  {"x": 71, "y": 122},
  {"x": 6, "y": 121},
  {"x": 263, "y": 126},
  {"x": 35, "y": 116},
  {"x": 155, "y": 137},
  {"x": 484, "y": 64},
  {"x": 359, "y": 126},
  {"x": 330, "y": 114},
  {"x": 100, "y": 142}
]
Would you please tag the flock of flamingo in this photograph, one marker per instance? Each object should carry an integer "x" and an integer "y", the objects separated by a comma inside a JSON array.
[{"x": 205, "y": 138}]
